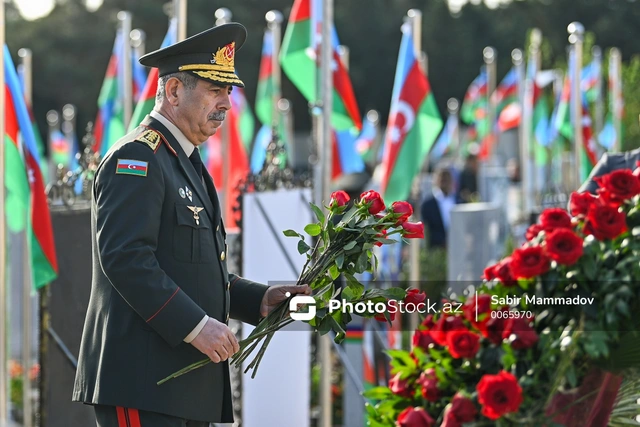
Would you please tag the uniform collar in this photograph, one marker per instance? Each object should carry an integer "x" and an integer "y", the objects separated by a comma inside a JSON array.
[{"x": 185, "y": 144}]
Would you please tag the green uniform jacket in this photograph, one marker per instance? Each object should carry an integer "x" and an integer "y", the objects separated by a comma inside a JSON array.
[{"x": 156, "y": 272}]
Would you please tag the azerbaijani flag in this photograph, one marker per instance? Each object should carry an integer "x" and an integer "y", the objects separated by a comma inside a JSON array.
[
  {"x": 60, "y": 149},
  {"x": 300, "y": 47},
  {"x": 147, "y": 98},
  {"x": 24, "y": 182},
  {"x": 445, "y": 140},
  {"x": 109, "y": 123},
  {"x": 507, "y": 103},
  {"x": 244, "y": 117},
  {"x": 589, "y": 80},
  {"x": 366, "y": 143},
  {"x": 139, "y": 76},
  {"x": 475, "y": 98},
  {"x": 414, "y": 124},
  {"x": 264, "y": 93},
  {"x": 346, "y": 159}
]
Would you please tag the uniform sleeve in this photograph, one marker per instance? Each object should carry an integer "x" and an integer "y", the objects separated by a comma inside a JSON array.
[
  {"x": 601, "y": 168},
  {"x": 128, "y": 210},
  {"x": 246, "y": 297}
]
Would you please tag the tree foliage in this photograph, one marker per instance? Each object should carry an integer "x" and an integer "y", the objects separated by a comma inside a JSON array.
[{"x": 71, "y": 46}]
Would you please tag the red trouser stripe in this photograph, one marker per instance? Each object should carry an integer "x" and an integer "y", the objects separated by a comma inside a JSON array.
[
  {"x": 134, "y": 417},
  {"x": 122, "y": 419}
]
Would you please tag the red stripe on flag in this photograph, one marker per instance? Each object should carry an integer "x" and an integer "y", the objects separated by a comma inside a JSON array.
[
  {"x": 342, "y": 84},
  {"x": 266, "y": 67},
  {"x": 414, "y": 90},
  {"x": 134, "y": 417},
  {"x": 11, "y": 120},
  {"x": 336, "y": 167},
  {"x": 40, "y": 217},
  {"x": 122, "y": 419},
  {"x": 300, "y": 11}
]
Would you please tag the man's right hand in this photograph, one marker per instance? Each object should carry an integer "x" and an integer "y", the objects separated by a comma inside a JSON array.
[{"x": 216, "y": 341}]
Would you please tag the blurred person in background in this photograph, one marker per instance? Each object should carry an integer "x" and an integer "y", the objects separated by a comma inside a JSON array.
[{"x": 436, "y": 209}]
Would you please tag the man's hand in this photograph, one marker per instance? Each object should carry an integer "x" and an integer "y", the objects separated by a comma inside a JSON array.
[
  {"x": 216, "y": 341},
  {"x": 278, "y": 293}
]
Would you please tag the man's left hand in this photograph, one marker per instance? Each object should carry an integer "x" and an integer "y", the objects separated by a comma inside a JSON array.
[{"x": 278, "y": 293}]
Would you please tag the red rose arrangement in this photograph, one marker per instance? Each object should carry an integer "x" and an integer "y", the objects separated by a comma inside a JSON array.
[{"x": 548, "y": 338}]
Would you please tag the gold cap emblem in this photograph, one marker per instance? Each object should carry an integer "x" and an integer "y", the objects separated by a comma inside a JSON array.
[{"x": 225, "y": 56}]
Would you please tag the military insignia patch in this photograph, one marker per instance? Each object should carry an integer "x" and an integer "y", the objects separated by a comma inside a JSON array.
[
  {"x": 132, "y": 167},
  {"x": 151, "y": 138}
]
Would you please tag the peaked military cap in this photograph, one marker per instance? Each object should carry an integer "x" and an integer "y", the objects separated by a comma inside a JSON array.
[{"x": 209, "y": 55}]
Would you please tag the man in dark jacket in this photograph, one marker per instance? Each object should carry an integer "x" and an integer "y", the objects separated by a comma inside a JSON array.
[
  {"x": 161, "y": 295},
  {"x": 436, "y": 209}
]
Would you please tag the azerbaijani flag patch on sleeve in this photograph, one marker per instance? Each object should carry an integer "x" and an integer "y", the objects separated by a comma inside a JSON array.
[{"x": 132, "y": 167}]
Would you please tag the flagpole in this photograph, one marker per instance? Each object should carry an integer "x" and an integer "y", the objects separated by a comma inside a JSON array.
[
  {"x": 615, "y": 64},
  {"x": 274, "y": 23},
  {"x": 596, "y": 53},
  {"x": 138, "y": 41},
  {"x": 576, "y": 35},
  {"x": 453, "y": 106},
  {"x": 223, "y": 16},
  {"x": 127, "y": 109},
  {"x": 415, "y": 18},
  {"x": 326, "y": 161},
  {"x": 181, "y": 13},
  {"x": 489, "y": 56},
  {"x": 27, "y": 407},
  {"x": 3, "y": 244}
]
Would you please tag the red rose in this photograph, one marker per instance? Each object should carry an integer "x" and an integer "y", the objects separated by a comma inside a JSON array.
[
  {"x": 499, "y": 394},
  {"x": 494, "y": 328},
  {"x": 480, "y": 306},
  {"x": 444, "y": 325},
  {"x": 463, "y": 408},
  {"x": 392, "y": 309},
  {"x": 401, "y": 387},
  {"x": 404, "y": 209},
  {"x": 529, "y": 262},
  {"x": 414, "y": 296},
  {"x": 489, "y": 273},
  {"x": 524, "y": 336},
  {"x": 338, "y": 198},
  {"x": 618, "y": 186},
  {"x": 553, "y": 218},
  {"x": 414, "y": 417},
  {"x": 450, "y": 420},
  {"x": 422, "y": 339},
  {"x": 374, "y": 200},
  {"x": 429, "y": 382},
  {"x": 605, "y": 222},
  {"x": 427, "y": 323},
  {"x": 413, "y": 230},
  {"x": 503, "y": 272},
  {"x": 533, "y": 231},
  {"x": 463, "y": 344},
  {"x": 563, "y": 246},
  {"x": 579, "y": 203},
  {"x": 382, "y": 234}
]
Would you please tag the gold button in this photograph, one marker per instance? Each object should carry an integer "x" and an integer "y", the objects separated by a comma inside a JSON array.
[{"x": 222, "y": 256}]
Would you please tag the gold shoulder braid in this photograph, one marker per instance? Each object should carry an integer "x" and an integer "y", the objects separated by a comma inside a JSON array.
[{"x": 151, "y": 138}]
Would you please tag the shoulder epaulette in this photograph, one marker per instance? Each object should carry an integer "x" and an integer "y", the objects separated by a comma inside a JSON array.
[{"x": 151, "y": 138}]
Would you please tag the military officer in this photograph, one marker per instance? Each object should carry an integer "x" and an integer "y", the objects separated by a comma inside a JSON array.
[{"x": 161, "y": 296}]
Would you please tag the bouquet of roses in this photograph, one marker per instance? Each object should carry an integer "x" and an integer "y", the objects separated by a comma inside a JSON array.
[
  {"x": 547, "y": 339},
  {"x": 344, "y": 242}
]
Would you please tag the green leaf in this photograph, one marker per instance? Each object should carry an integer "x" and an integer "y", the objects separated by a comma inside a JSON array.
[
  {"x": 571, "y": 376},
  {"x": 362, "y": 263},
  {"x": 303, "y": 248},
  {"x": 378, "y": 393},
  {"x": 313, "y": 229},
  {"x": 291, "y": 233},
  {"x": 334, "y": 272},
  {"x": 340, "y": 260},
  {"x": 350, "y": 245},
  {"x": 318, "y": 213}
]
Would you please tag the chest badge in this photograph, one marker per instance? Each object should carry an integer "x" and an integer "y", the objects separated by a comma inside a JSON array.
[
  {"x": 182, "y": 193},
  {"x": 196, "y": 211},
  {"x": 188, "y": 193}
]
